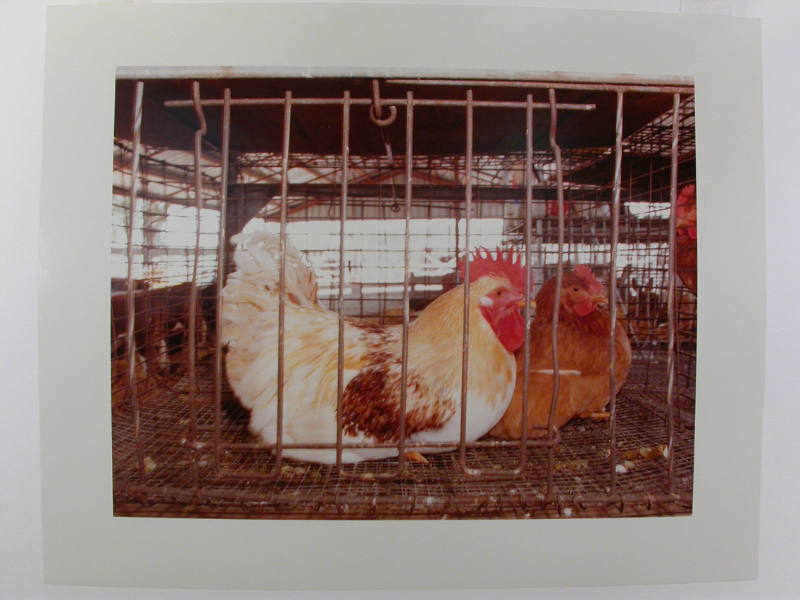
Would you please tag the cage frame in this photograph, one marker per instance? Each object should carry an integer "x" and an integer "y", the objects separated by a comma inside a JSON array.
[{"x": 553, "y": 436}]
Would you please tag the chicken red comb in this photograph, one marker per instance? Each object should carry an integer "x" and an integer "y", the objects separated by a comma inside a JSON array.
[
  {"x": 585, "y": 274},
  {"x": 505, "y": 264},
  {"x": 552, "y": 208}
]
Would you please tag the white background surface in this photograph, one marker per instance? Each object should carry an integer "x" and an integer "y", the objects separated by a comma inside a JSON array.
[{"x": 22, "y": 52}]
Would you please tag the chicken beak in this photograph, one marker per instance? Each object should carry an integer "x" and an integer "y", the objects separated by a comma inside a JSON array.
[
  {"x": 600, "y": 300},
  {"x": 521, "y": 304},
  {"x": 682, "y": 222}
]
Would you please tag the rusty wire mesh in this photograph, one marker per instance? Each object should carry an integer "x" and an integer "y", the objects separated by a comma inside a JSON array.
[{"x": 431, "y": 491}]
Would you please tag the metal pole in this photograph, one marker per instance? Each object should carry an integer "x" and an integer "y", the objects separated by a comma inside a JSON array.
[
  {"x": 612, "y": 284},
  {"x": 673, "y": 194},
  {"x": 384, "y": 102},
  {"x": 406, "y": 280},
  {"x": 559, "y": 276},
  {"x": 223, "y": 203},
  {"x": 287, "y": 118},
  {"x": 466, "y": 259},
  {"x": 342, "y": 222},
  {"x": 526, "y": 351},
  {"x": 447, "y": 444},
  {"x": 131, "y": 297},
  {"x": 192, "y": 367},
  {"x": 636, "y": 84}
]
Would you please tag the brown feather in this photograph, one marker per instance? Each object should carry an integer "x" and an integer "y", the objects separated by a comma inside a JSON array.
[
  {"x": 583, "y": 344},
  {"x": 371, "y": 401}
]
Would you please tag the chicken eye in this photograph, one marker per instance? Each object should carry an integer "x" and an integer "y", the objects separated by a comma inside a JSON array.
[
  {"x": 498, "y": 293},
  {"x": 575, "y": 288}
]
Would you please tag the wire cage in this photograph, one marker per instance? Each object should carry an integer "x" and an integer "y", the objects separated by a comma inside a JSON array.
[{"x": 383, "y": 185}]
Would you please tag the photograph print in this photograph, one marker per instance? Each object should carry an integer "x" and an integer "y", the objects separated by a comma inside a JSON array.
[{"x": 402, "y": 297}]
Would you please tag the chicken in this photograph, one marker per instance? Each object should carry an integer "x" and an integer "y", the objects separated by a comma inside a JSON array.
[
  {"x": 552, "y": 208},
  {"x": 371, "y": 358},
  {"x": 686, "y": 237},
  {"x": 583, "y": 339},
  {"x": 161, "y": 317}
]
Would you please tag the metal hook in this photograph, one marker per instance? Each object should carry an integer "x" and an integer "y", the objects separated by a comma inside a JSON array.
[
  {"x": 198, "y": 108},
  {"x": 376, "y": 109}
]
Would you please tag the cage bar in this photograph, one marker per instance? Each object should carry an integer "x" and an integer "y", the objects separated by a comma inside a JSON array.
[
  {"x": 559, "y": 277},
  {"x": 612, "y": 299},
  {"x": 526, "y": 347},
  {"x": 673, "y": 87},
  {"x": 136, "y": 134},
  {"x": 465, "y": 317},
  {"x": 287, "y": 120},
  {"x": 671, "y": 349},
  {"x": 221, "y": 240},
  {"x": 408, "y": 445},
  {"x": 342, "y": 222},
  {"x": 192, "y": 363},
  {"x": 401, "y": 444},
  {"x": 386, "y": 101}
]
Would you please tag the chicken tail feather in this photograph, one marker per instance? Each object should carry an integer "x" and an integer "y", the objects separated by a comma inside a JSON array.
[{"x": 258, "y": 258}]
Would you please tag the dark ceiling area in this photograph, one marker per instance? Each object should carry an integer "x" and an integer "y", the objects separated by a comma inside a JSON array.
[{"x": 438, "y": 130}]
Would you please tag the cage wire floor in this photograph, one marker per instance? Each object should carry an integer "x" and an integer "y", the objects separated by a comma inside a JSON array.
[{"x": 581, "y": 474}]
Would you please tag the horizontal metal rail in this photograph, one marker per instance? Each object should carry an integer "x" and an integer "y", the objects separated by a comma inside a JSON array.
[
  {"x": 531, "y": 443},
  {"x": 670, "y": 88},
  {"x": 368, "y": 102}
]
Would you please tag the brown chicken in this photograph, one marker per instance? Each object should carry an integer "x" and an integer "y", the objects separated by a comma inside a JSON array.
[
  {"x": 584, "y": 326},
  {"x": 686, "y": 237}
]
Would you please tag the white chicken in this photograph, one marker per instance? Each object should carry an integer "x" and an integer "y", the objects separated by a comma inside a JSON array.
[{"x": 372, "y": 357}]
